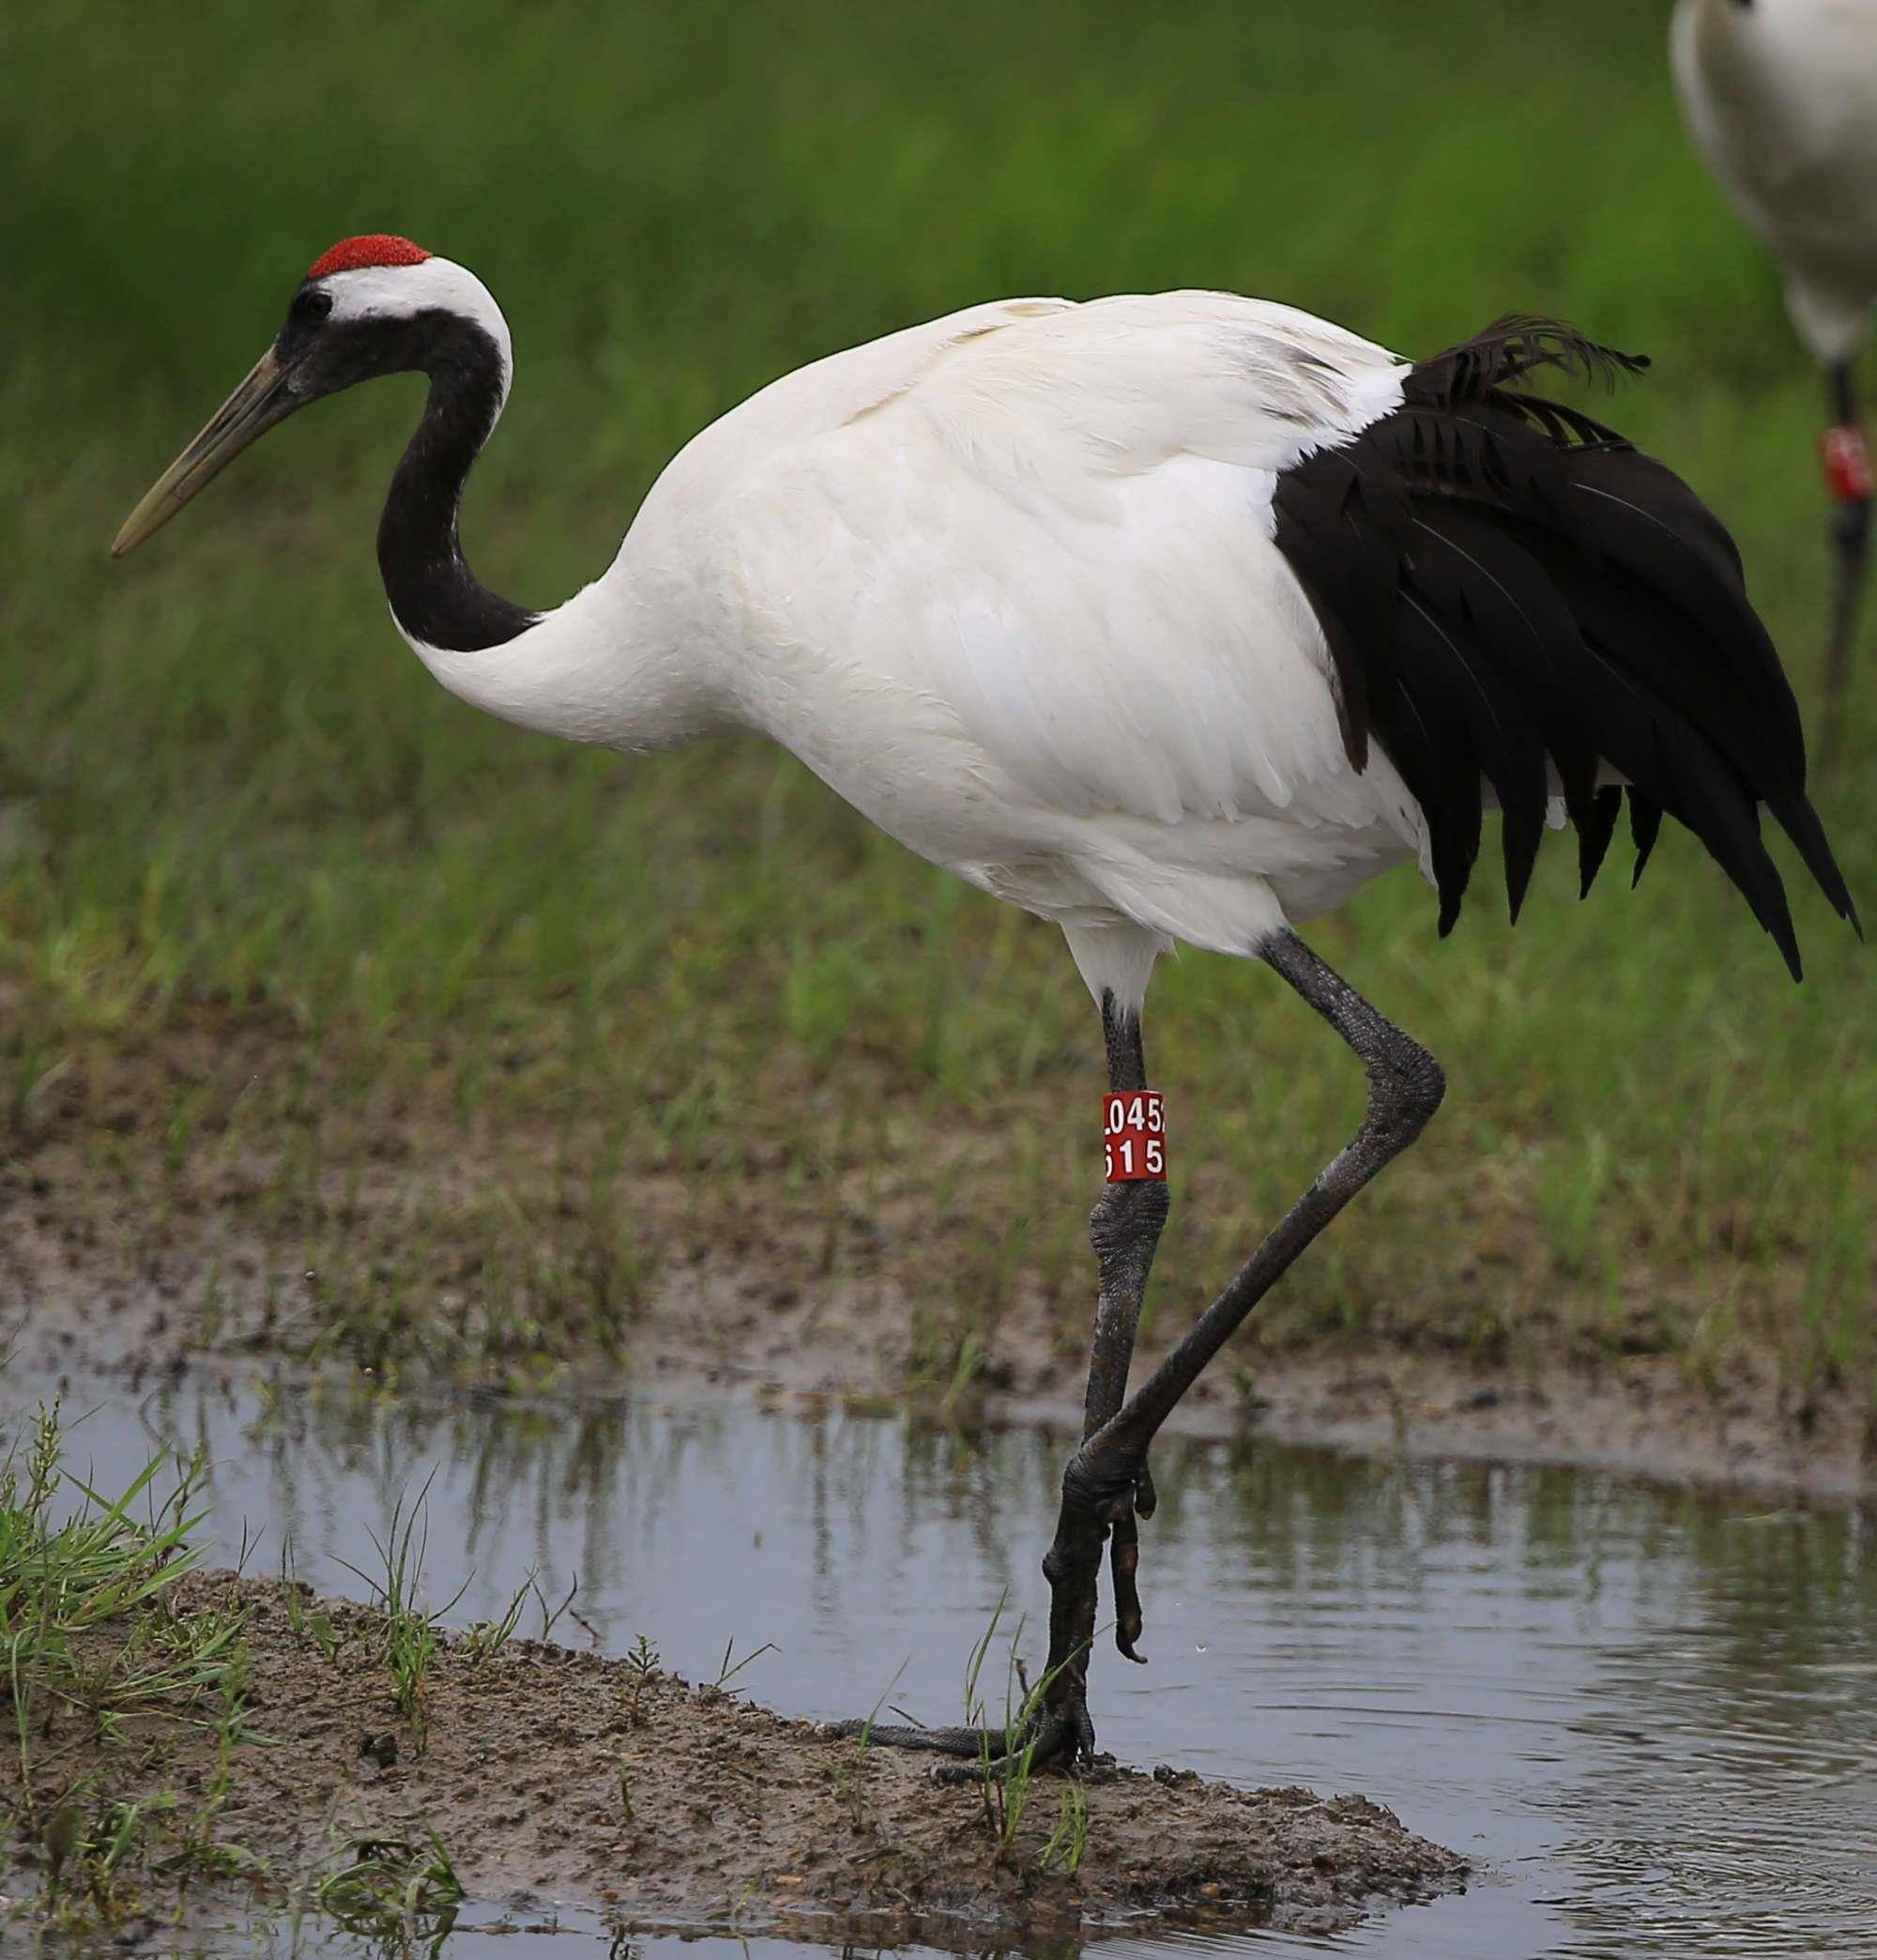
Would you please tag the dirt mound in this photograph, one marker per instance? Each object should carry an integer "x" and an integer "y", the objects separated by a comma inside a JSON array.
[{"x": 544, "y": 1770}]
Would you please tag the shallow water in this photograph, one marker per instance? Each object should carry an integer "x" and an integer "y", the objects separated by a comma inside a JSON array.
[{"x": 1649, "y": 1716}]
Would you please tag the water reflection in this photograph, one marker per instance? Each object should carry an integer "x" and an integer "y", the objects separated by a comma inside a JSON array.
[{"x": 1648, "y": 1713}]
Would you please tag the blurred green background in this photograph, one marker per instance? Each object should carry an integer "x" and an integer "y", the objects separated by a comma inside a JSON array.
[{"x": 294, "y": 948}]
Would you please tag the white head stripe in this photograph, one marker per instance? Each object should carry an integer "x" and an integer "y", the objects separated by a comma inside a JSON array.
[{"x": 434, "y": 284}]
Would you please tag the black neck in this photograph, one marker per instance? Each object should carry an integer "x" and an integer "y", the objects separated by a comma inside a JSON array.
[{"x": 434, "y": 596}]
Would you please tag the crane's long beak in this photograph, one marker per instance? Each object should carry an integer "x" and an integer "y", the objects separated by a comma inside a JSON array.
[{"x": 260, "y": 402}]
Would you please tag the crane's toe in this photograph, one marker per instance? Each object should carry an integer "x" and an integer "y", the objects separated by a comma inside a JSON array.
[
  {"x": 1123, "y": 1567},
  {"x": 1124, "y": 1562}
]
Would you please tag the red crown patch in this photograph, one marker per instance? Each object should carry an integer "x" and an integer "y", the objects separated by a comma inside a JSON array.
[{"x": 370, "y": 249}]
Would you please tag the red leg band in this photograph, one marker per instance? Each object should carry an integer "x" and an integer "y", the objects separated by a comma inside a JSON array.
[
  {"x": 1846, "y": 458},
  {"x": 1134, "y": 1136}
]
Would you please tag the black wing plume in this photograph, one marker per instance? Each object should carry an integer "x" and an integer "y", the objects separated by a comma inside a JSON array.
[{"x": 1514, "y": 596}]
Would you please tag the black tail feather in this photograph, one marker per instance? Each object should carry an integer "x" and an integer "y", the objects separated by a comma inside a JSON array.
[
  {"x": 1800, "y": 822},
  {"x": 1513, "y": 347},
  {"x": 1594, "y": 835},
  {"x": 1645, "y": 826},
  {"x": 1514, "y": 597}
]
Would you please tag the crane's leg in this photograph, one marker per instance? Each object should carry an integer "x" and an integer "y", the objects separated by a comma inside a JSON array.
[
  {"x": 1125, "y": 1230},
  {"x": 1405, "y": 1086},
  {"x": 1848, "y": 479}
]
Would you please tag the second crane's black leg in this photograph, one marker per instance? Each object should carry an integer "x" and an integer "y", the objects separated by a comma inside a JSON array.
[
  {"x": 1848, "y": 480},
  {"x": 1405, "y": 1086}
]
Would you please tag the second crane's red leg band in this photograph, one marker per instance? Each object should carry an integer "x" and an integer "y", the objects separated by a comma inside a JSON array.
[
  {"x": 1846, "y": 459},
  {"x": 1134, "y": 1137}
]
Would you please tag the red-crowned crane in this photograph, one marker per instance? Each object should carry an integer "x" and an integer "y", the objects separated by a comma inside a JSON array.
[
  {"x": 1171, "y": 618},
  {"x": 1781, "y": 98}
]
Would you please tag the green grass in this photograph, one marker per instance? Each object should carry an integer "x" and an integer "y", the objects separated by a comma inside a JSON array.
[
  {"x": 247, "y": 846},
  {"x": 396, "y": 1589},
  {"x": 403, "y": 1893},
  {"x": 97, "y": 1650},
  {"x": 104, "y": 1661},
  {"x": 1006, "y": 1779}
]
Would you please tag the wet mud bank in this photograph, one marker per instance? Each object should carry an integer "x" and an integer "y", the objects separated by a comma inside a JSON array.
[
  {"x": 547, "y": 1772},
  {"x": 385, "y": 1241},
  {"x": 1639, "y": 1418}
]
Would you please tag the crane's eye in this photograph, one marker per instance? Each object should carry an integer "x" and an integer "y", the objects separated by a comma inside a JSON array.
[{"x": 310, "y": 306}]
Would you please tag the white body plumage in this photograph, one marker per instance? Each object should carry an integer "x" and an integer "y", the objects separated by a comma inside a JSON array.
[
  {"x": 1167, "y": 617},
  {"x": 1005, "y": 582}
]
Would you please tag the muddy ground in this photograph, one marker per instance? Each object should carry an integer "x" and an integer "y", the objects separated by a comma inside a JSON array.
[
  {"x": 550, "y": 1772},
  {"x": 123, "y": 1253},
  {"x": 724, "y": 1313},
  {"x": 287, "y": 1221}
]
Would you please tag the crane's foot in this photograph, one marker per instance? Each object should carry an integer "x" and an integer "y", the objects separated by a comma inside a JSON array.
[
  {"x": 1103, "y": 1502},
  {"x": 1104, "y": 1490},
  {"x": 1125, "y": 1561},
  {"x": 1105, "y": 1487},
  {"x": 1052, "y": 1738}
]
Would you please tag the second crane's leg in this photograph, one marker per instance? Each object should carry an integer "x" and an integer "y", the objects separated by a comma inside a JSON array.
[
  {"x": 1405, "y": 1086},
  {"x": 1125, "y": 1230},
  {"x": 1848, "y": 479}
]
